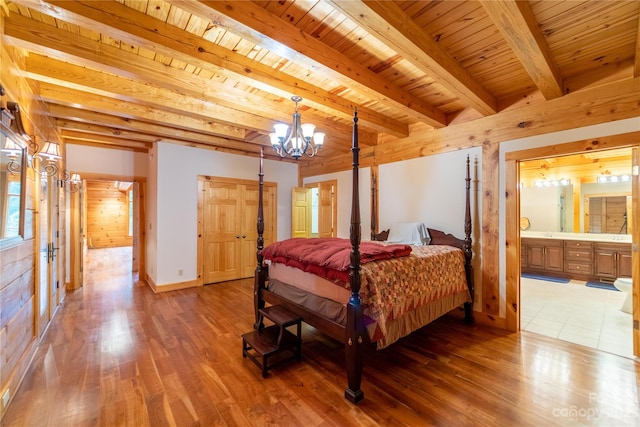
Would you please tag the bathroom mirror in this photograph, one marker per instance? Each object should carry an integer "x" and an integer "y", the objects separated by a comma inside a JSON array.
[
  {"x": 581, "y": 193},
  {"x": 607, "y": 213},
  {"x": 13, "y": 161}
]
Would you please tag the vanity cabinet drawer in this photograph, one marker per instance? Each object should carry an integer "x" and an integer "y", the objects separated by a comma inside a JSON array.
[
  {"x": 578, "y": 245},
  {"x": 578, "y": 257},
  {"x": 577, "y": 267},
  {"x": 585, "y": 255}
]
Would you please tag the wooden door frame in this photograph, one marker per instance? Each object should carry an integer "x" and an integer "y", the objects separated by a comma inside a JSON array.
[
  {"x": 200, "y": 220},
  {"x": 334, "y": 183},
  {"x": 512, "y": 218},
  {"x": 139, "y": 240}
]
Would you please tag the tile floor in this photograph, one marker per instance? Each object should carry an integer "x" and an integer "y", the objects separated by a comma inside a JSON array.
[{"x": 577, "y": 313}]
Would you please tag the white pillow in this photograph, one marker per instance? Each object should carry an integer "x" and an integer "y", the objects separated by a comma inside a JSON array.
[{"x": 408, "y": 233}]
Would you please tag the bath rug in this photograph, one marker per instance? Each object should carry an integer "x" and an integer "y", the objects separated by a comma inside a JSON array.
[
  {"x": 546, "y": 278},
  {"x": 602, "y": 285}
]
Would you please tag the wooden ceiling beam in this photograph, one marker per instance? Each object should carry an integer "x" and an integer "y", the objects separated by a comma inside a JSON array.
[
  {"x": 272, "y": 32},
  {"x": 389, "y": 23},
  {"x": 88, "y": 128},
  {"x": 589, "y": 107},
  {"x": 126, "y": 110},
  {"x": 47, "y": 40},
  {"x": 69, "y": 114},
  {"x": 519, "y": 27},
  {"x": 104, "y": 139},
  {"x": 42, "y": 68},
  {"x": 78, "y": 115},
  {"x": 127, "y": 24}
]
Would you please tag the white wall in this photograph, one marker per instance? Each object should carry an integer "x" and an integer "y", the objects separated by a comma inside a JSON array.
[
  {"x": 429, "y": 190},
  {"x": 105, "y": 161},
  {"x": 177, "y": 200},
  {"x": 541, "y": 205},
  {"x": 151, "y": 216}
]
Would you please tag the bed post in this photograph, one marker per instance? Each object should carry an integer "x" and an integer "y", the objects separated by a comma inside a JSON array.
[
  {"x": 354, "y": 335},
  {"x": 468, "y": 252},
  {"x": 261, "y": 270},
  {"x": 374, "y": 207}
]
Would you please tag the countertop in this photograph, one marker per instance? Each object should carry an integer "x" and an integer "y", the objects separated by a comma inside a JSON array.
[{"x": 589, "y": 237}]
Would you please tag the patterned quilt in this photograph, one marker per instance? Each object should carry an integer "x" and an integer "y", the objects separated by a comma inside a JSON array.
[
  {"x": 392, "y": 288},
  {"x": 424, "y": 282}
]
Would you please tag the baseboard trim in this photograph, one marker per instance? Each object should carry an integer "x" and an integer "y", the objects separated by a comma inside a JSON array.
[{"x": 157, "y": 289}]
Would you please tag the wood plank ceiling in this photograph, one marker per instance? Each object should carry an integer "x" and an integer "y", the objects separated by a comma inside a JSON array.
[{"x": 220, "y": 74}]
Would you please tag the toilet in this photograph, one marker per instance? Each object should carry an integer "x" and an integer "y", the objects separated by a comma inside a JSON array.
[{"x": 623, "y": 284}]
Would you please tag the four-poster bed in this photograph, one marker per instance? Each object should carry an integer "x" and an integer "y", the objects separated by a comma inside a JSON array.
[{"x": 394, "y": 305}]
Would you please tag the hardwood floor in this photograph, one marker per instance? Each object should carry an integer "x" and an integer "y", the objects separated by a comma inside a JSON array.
[{"x": 117, "y": 354}]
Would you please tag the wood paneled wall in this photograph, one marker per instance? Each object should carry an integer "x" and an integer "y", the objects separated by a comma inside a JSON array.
[
  {"x": 107, "y": 215},
  {"x": 18, "y": 262}
]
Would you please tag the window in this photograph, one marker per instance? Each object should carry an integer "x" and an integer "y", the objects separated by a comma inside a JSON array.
[{"x": 12, "y": 226}]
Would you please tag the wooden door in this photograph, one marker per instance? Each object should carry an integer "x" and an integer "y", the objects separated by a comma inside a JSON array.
[
  {"x": 57, "y": 269},
  {"x": 248, "y": 228},
  {"x": 47, "y": 260},
  {"x": 76, "y": 239},
  {"x": 221, "y": 231},
  {"x": 270, "y": 212},
  {"x": 300, "y": 212},
  {"x": 326, "y": 209}
]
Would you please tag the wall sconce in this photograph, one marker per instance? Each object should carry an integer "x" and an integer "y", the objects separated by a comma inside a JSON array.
[
  {"x": 72, "y": 183},
  {"x": 13, "y": 151},
  {"x": 45, "y": 162}
]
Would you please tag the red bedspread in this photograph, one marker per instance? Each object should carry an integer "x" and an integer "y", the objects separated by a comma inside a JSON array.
[{"x": 329, "y": 257}]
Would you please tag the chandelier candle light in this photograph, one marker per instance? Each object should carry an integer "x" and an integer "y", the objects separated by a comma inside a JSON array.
[{"x": 298, "y": 140}]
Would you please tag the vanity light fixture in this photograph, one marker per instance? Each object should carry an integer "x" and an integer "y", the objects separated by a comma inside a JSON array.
[
  {"x": 299, "y": 139},
  {"x": 614, "y": 178},
  {"x": 551, "y": 183}
]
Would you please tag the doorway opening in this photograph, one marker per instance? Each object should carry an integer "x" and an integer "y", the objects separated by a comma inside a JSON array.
[
  {"x": 106, "y": 222},
  {"x": 575, "y": 242},
  {"x": 314, "y": 210}
]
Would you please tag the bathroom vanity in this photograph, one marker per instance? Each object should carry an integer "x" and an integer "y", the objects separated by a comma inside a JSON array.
[{"x": 581, "y": 256}]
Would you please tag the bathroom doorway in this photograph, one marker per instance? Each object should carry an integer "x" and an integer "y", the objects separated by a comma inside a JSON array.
[
  {"x": 517, "y": 295},
  {"x": 571, "y": 301}
]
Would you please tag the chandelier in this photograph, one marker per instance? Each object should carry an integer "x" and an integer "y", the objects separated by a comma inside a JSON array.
[{"x": 298, "y": 140}]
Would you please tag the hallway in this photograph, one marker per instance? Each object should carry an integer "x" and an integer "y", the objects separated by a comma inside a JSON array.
[{"x": 116, "y": 354}]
